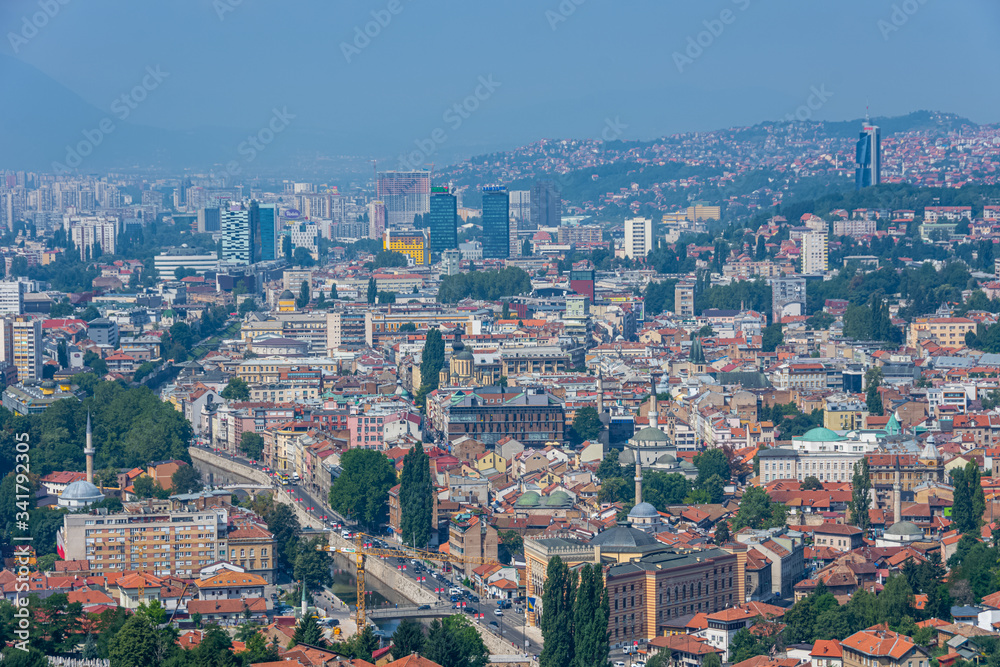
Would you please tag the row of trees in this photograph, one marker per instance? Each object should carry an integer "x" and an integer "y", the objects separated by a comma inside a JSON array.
[
  {"x": 486, "y": 285},
  {"x": 575, "y": 613},
  {"x": 450, "y": 642}
]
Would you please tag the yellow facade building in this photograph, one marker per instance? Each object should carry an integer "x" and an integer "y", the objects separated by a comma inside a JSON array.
[{"x": 414, "y": 243}]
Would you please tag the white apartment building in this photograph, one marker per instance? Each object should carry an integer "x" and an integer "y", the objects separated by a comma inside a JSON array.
[
  {"x": 814, "y": 253},
  {"x": 305, "y": 235},
  {"x": 11, "y": 297},
  {"x": 89, "y": 231},
  {"x": 638, "y": 237},
  {"x": 27, "y": 338}
]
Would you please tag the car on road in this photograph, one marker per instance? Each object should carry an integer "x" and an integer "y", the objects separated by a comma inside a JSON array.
[
  {"x": 639, "y": 663},
  {"x": 503, "y": 604},
  {"x": 497, "y": 612},
  {"x": 619, "y": 664},
  {"x": 423, "y": 607},
  {"x": 474, "y": 598},
  {"x": 495, "y": 625}
]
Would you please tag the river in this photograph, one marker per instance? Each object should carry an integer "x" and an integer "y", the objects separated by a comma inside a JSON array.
[{"x": 345, "y": 584}]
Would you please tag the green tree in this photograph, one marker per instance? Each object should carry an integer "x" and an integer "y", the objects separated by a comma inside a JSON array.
[
  {"x": 284, "y": 525},
  {"x": 590, "y": 619},
  {"x": 312, "y": 566},
  {"x": 302, "y": 300},
  {"x": 186, "y": 479},
  {"x": 431, "y": 363},
  {"x": 62, "y": 354},
  {"x": 144, "y": 487},
  {"x": 587, "y": 424},
  {"x": 441, "y": 646},
  {"x": 372, "y": 291},
  {"x": 15, "y": 657},
  {"x": 722, "y": 534},
  {"x": 526, "y": 248},
  {"x": 558, "y": 598},
  {"x": 812, "y": 483},
  {"x": 860, "y": 503},
  {"x": 711, "y": 660},
  {"x": 362, "y": 489},
  {"x": 135, "y": 644},
  {"x": 407, "y": 639},
  {"x": 386, "y": 297},
  {"x": 758, "y": 511},
  {"x": 712, "y": 462},
  {"x": 302, "y": 257},
  {"x": 745, "y": 645},
  {"x": 416, "y": 497},
  {"x": 661, "y": 489},
  {"x": 771, "y": 337},
  {"x": 236, "y": 389},
  {"x": 144, "y": 371},
  {"x": 252, "y": 445},
  {"x": 307, "y": 631},
  {"x": 895, "y": 601}
]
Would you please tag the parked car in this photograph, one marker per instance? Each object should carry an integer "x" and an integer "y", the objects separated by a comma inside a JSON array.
[{"x": 497, "y": 612}]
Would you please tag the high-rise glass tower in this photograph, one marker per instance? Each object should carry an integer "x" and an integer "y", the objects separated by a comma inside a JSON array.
[
  {"x": 264, "y": 222},
  {"x": 496, "y": 222},
  {"x": 405, "y": 193},
  {"x": 237, "y": 234},
  {"x": 868, "y": 170},
  {"x": 546, "y": 204},
  {"x": 443, "y": 218}
]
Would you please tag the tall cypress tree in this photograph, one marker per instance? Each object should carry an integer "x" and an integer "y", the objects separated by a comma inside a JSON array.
[
  {"x": 861, "y": 484},
  {"x": 557, "y": 615},
  {"x": 372, "y": 291},
  {"x": 976, "y": 493},
  {"x": 431, "y": 363},
  {"x": 590, "y": 614},
  {"x": 416, "y": 499},
  {"x": 961, "y": 506}
]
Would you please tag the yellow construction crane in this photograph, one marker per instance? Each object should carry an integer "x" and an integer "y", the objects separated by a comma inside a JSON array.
[{"x": 360, "y": 550}]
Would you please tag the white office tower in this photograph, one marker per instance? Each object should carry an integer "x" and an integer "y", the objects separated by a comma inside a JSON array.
[{"x": 638, "y": 237}]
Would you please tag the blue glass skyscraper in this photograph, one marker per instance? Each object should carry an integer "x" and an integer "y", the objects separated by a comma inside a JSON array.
[
  {"x": 868, "y": 170},
  {"x": 496, "y": 222},
  {"x": 443, "y": 219}
]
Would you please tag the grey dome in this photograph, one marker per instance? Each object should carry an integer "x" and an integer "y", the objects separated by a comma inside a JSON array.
[
  {"x": 904, "y": 528},
  {"x": 624, "y": 536},
  {"x": 286, "y": 295},
  {"x": 81, "y": 492},
  {"x": 650, "y": 434},
  {"x": 643, "y": 511},
  {"x": 667, "y": 458}
]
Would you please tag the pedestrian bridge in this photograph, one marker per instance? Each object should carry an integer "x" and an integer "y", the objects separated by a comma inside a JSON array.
[
  {"x": 256, "y": 487},
  {"x": 413, "y": 611}
]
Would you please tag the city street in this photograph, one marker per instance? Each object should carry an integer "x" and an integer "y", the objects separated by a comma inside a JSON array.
[{"x": 511, "y": 626}]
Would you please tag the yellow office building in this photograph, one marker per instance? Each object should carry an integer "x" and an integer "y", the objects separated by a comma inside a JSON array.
[{"x": 413, "y": 243}]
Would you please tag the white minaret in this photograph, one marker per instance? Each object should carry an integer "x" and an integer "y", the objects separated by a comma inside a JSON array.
[
  {"x": 897, "y": 498},
  {"x": 600, "y": 391},
  {"x": 654, "y": 420},
  {"x": 89, "y": 452},
  {"x": 638, "y": 481}
]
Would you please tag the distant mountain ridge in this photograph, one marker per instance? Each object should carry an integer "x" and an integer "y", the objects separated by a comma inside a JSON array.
[{"x": 43, "y": 123}]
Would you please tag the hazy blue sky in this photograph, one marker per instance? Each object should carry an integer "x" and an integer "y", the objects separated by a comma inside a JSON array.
[{"x": 605, "y": 60}]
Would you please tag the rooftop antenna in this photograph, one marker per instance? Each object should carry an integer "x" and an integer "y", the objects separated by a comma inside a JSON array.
[
  {"x": 375, "y": 177},
  {"x": 868, "y": 120}
]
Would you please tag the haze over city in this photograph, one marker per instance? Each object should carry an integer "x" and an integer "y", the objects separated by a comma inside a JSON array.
[{"x": 573, "y": 333}]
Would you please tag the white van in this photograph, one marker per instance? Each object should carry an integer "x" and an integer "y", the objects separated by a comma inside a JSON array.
[{"x": 454, "y": 590}]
